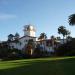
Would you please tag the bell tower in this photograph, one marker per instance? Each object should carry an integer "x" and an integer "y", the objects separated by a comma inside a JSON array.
[{"x": 29, "y": 30}]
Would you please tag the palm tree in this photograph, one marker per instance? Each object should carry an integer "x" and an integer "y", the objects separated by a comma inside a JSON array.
[
  {"x": 52, "y": 37},
  {"x": 72, "y": 19},
  {"x": 62, "y": 30},
  {"x": 42, "y": 36},
  {"x": 53, "y": 40}
]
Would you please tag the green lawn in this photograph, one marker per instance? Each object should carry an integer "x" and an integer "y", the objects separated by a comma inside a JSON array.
[{"x": 40, "y": 66}]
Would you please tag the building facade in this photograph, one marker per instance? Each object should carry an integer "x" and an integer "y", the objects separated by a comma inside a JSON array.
[{"x": 29, "y": 34}]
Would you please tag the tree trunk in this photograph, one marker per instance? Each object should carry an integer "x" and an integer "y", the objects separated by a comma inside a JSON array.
[{"x": 63, "y": 39}]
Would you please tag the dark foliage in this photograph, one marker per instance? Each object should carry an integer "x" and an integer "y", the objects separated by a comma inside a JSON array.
[
  {"x": 29, "y": 48},
  {"x": 42, "y": 36},
  {"x": 39, "y": 52},
  {"x": 72, "y": 19},
  {"x": 8, "y": 53},
  {"x": 67, "y": 49}
]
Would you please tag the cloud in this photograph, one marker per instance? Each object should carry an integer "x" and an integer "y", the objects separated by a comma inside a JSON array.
[{"x": 7, "y": 16}]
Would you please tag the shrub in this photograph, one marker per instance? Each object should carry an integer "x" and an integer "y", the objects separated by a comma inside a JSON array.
[{"x": 67, "y": 49}]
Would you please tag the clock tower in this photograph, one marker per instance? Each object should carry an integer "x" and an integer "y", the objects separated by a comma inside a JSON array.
[{"x": 29, "y": 30}]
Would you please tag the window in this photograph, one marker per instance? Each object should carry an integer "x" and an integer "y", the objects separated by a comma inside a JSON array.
[
  {"x": 20, "y": 43},
  {"x": 25, "y": 40}
]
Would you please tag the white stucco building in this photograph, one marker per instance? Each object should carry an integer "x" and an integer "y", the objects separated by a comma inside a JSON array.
[{"x": 29, "y": 33}]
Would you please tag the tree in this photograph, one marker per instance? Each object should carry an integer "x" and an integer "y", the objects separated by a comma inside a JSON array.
[
  {"x": 62, "y": 30},
  {"x": 30, "y": 47},
  {"x": 16, "y": 37},
  {"x": 10, "y": 37},
  {"x": 53, "y": 40},
  {"x": 67, "y": 49},
  {"x": 52, "y": 37},
  {"x": 69, "y": 38},
  {"x": 42, "y": 36},
  {"x": 58, "y": 38},
  {"x": 38, "y": 51},
  {"x": 67, "y": 33},
  {"x": 72, "y": 19}
]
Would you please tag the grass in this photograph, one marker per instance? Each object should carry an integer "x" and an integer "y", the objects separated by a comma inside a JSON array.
[{"x": 39, "y": 66}]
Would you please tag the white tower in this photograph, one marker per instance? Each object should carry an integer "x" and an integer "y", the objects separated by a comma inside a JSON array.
[{"x": 29, "y": 30}]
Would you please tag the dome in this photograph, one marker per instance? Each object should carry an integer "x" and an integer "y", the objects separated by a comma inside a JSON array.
[{"x": 29, "y": 28}]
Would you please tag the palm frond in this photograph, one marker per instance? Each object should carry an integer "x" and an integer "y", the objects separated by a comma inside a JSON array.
[{"x": 71, "y": 19}]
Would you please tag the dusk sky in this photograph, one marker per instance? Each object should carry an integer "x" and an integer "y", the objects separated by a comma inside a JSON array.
[{"x": 45, "y": 15}]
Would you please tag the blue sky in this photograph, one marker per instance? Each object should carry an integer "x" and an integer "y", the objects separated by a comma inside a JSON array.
[{"x": 45, "y": 15}]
